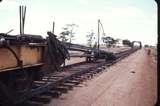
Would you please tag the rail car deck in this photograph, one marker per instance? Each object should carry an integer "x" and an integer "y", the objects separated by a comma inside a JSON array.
[{"x": 30, "y": 55}]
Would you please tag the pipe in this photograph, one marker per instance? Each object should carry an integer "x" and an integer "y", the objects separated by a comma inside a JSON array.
[
  {"x": 20, "y": 20},
  {"x": 24, "y": 15}
]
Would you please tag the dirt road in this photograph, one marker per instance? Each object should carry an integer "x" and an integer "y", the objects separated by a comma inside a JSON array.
[{"x": 131, "y": 82}]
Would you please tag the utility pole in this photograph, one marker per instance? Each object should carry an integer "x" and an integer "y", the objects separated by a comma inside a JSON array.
[
  {"x": 22, "y": 13},
  {"x": 98, "y": 34},
  {"x": 53, "y": 27},
  {"x": 158, "y": 55}
]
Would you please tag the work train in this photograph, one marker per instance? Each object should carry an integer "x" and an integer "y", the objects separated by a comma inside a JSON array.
[{"x": 26, "y": 58}]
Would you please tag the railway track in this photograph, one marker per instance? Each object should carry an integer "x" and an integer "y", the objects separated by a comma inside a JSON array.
[{"x": 53, "y": 85}]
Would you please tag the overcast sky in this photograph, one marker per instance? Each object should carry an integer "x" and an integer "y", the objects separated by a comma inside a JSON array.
[{"x": 125, "y": 19}]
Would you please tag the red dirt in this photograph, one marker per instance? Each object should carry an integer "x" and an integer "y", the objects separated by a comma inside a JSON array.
[{"x": 131, "y": 82}]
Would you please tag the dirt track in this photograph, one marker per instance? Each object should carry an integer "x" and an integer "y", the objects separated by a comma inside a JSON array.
[{"x": 131, "y": 82}]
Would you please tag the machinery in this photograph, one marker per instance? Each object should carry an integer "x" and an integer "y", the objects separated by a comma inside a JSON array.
[{"x": 91, "y": 54}]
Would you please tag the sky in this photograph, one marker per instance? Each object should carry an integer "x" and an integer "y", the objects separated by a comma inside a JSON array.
[{"x": 124, "y": 19}]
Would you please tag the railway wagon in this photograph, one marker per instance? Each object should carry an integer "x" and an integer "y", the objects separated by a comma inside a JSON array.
[{"x": 24, "y": 59}]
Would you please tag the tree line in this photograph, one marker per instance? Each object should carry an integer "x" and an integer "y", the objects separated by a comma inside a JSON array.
[{"x": 68, "y": 33}]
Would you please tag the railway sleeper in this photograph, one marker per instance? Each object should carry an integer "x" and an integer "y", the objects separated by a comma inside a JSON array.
[
  {"x": 52, "y": 77},
  {"x": 78, "y": 79},
  {"x": 62, "y": 89},
  {"x": 73, "y": 82},
  {"x": 41, "y": 98},
  {"x": 31, "y": 103},
  {"x": 49, "y": 80},
  {"x": 68, "y": 85},
  {"x": 82, "y": 77},
  {"x": 89, "y": 75},
  {"x": 41, "y": 82},
  {"x": 79, "y": 76},
  {"x": 53, "y": 94}
]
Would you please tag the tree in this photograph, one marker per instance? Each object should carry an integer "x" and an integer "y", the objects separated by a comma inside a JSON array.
[
  {"x": 95, "y": 45},
  {"x": 109, "y": 41},
  {"x": 115, "y": 42},
  {"x": 146, "y": 46},
  {"x": 127, "y": 42},
  {"x": 64, "y": 34},
  {"x": 70, "y": 29},
  {"x": 90, "y": 38},
  {"x": 68, "y": 33},
  {"x": 118, "y": 41}
]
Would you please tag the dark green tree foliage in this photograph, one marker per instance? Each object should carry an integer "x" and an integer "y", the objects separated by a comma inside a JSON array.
[
  {"x": 109, "y": 41},
  {"x": 127, "y": 42},
  {"x": 90, "y": 38}
]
